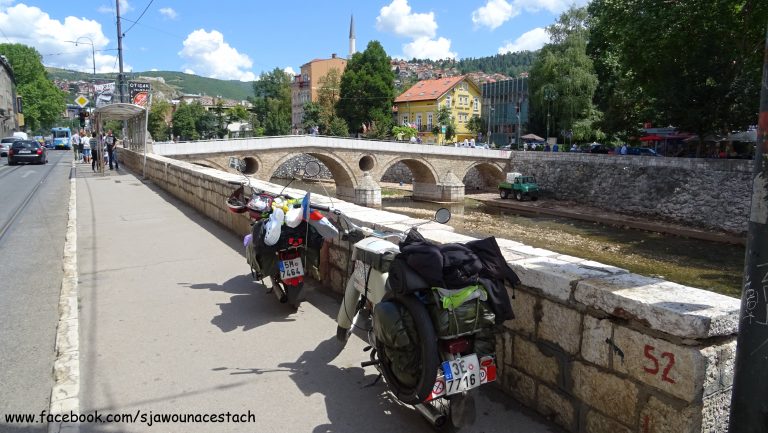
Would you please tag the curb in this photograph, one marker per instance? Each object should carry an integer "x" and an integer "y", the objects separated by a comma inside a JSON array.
[{"x": 65, "y": 394}]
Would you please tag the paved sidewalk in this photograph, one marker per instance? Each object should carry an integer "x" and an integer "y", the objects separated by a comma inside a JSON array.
[{"x": 171, "y": 323}]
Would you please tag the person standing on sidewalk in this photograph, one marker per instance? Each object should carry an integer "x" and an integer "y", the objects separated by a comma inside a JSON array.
[
  {"x": 85, "y": 142},
  {"x": 97, "y": 152},
  {"x": 109, "y": 140},
  {"x": 75, "y": 142}
]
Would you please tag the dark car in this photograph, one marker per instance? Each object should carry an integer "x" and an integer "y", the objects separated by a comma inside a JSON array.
[
  {"x": 598, "y": 148},
  {"x": 27, "y": 151},
  {"x": 641, "y": 151},
  {"x": 5, "y": 144}
]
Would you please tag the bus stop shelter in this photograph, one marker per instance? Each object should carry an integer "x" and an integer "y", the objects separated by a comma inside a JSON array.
[{"x": 135, "y": 118}]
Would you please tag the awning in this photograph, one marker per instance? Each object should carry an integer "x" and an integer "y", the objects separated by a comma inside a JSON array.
[
  {"x": 533, "y": 137},
  {"x": 119, "y": 111},
  {"x": 652, "y": 138}
]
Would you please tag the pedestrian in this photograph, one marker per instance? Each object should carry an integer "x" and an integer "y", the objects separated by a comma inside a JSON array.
[
  {"x": 80, "y": 146},
  {"x": 623, "y": 149},
  {"x": 75, "y": 142},
  {"x": 573, "y": 147},
  {"x": 97, "y": 151},
  {"x": 85, "y": 142},
  {"x": 109, "y": 140},
  {"x": 555, "y": 148}
]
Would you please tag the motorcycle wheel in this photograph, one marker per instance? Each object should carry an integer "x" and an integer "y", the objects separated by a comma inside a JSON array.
[
  {"x": 294, "y": 294},
  {"x": 427, "y": 342}
]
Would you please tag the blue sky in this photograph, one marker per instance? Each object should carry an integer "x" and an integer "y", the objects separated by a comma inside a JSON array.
[{"x": 238, "y": 40}]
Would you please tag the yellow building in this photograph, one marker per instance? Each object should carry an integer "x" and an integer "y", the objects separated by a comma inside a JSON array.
[{"x": 418, "y": 106}]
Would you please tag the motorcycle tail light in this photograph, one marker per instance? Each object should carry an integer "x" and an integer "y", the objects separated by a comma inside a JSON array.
[{"x": 457, "y": 345}]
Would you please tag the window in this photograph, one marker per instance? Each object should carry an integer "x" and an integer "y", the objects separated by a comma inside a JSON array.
[
  {"x": 429, "y": 120},
  {"x": 477, "y": 104},
  {"x": 448, "y": 100},
  {"x": 418, "y": 120},
  {"x": 405, "y": 118}
]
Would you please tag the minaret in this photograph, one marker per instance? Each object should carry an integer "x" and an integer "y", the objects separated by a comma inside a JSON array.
[{"x": 352, "y": 49}]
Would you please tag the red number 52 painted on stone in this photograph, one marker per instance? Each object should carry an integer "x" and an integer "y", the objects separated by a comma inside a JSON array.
[{"x": 670, "y": 357}]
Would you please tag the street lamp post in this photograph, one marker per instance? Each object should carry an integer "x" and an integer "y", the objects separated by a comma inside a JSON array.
[{"x": 549, "y": 95}]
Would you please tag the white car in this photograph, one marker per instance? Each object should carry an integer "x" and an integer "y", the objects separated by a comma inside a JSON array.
[{"x": 5, "y": 144}]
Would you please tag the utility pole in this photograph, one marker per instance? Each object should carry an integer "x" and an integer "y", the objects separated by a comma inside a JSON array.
[
  {"x": 120, "y": 78},
  {"x": 749, "y": 407}
]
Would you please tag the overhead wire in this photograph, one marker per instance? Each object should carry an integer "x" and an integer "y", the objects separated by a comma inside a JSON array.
[{"x": 139, "y": 18}]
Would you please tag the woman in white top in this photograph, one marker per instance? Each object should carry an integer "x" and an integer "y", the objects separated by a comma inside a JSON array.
[{"x": 86, "y": 140}]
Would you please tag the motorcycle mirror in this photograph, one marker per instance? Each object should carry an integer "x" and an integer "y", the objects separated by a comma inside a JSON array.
[
  {"x": 311, "y": 169},
  {"x": 443, "y": 215}
]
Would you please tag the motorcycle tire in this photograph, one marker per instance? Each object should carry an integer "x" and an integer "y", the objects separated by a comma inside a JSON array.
[
  {"x": 294, "y": 295},
  {"x": 427, "y": 350}
]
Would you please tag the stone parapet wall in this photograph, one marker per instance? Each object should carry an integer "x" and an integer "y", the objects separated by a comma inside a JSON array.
[
  {"x": 592, "y": 347},
  {"x": 710, "y": 193}
]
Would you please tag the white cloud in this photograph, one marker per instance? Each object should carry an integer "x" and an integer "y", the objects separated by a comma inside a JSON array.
[
  {"x": 398, "y": 19},
  {"x": 289, "y": 70},
  {"x": 425, "y": 48},
  {"x": 31, "y": 26},
  {"x": 110, "y": 8},
  {"x": 169, "y": 13},
  {"x": 552, "y": 6},
  {"x": 497, "y": 12},
  {"x": 493, "y": 14},
  {"x": 531, "y": 40},
  {"x": 208, "y": 53}
]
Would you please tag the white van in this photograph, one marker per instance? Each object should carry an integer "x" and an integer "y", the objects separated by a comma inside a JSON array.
[{"x": 21, "y": 135}]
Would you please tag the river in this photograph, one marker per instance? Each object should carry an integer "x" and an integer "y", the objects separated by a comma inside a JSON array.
[{"x": 703, "y": 264}]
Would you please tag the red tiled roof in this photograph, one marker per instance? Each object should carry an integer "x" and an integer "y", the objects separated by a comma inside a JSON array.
[{"x": 428, "y": 90}]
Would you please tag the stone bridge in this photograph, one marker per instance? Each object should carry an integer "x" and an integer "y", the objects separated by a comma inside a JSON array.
[{"x": 357, "y": 166}]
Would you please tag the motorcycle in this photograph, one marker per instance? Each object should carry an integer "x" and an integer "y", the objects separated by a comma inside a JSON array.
[
  {"x": 424, "y": 359},
  {"x": 283, "y": 236}
]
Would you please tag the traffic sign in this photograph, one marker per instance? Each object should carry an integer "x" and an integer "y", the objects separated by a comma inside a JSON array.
[{"x": 82, "y": 101}]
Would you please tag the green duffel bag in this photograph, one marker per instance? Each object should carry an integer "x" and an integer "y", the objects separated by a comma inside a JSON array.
[
  {"x": 460, "y": 312},
  {"x": 395, "y": 330}
]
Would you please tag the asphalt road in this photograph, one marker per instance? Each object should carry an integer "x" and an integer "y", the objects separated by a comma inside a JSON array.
[{"x": 31, "y": 248}]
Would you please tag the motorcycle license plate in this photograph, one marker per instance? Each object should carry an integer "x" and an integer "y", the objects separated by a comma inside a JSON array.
[
  {"x": 461, "y": 374},
  {"x": 291, "y": 268},
  {"x": 484, "y": 372}
]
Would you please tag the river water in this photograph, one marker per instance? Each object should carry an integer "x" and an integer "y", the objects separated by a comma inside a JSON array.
[{"x": 697, "y": 263}]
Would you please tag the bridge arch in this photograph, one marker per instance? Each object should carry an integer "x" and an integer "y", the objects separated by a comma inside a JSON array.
[
  {"x": 422, "y": 171},
  {"x": 483, "y": 175}
]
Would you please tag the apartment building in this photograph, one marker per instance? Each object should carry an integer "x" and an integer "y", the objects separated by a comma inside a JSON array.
[{"x": 305, "y": 85}]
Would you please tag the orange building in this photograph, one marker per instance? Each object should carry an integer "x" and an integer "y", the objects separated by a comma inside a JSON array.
[{"x": 305, "y": 85}]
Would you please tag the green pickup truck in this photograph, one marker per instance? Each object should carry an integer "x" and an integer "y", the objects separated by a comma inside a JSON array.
[{"x": 519, "y": 186}]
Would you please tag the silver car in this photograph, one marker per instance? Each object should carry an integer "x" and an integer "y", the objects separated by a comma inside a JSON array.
[{"x": 5, "y": 144}]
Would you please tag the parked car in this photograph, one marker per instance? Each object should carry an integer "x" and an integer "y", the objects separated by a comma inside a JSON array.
[
  {"x": 27, "y": 151},
  {"x": 5, "y": 144},
  {"x": 641, "y": 151},
  {"x": 598, "y": 148}
]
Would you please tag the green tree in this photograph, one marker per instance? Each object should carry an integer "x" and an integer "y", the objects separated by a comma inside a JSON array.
[
  {"x": 238, "y": 113},
  {"x": 367, "y": 90},
  {"x": 476, "y": 124},
  {"x": 695, "y": 64},
  {"x": 402, "y": 132},
  {"x": 187, "y": 119},
  {"x": 43, "y": 102},
  {"x": 272, "y": 104},
  {"x": 311, "y": 115},
  {"x": 563, "y": 68},
  {"x": 327, "y": 101},
  {"x": 444, "y": 118},
  {"x": 338, "y": 127},
  {"x": 159, "y": 114}
]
